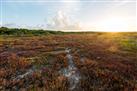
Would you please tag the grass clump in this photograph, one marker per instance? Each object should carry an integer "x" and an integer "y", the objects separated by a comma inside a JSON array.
[{"x": 129, "y": 45}]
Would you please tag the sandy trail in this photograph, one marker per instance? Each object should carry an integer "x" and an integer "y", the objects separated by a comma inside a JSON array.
[{"x": 71, "y": 72}]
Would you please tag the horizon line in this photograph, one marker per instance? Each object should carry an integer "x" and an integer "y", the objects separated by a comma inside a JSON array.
[{"x": 69, "y": 30}]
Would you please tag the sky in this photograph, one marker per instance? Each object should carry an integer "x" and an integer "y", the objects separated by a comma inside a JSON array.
[{"x": 94, "y": 15}]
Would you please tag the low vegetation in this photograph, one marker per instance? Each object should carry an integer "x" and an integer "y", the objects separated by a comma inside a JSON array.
[{"x": 32, "y": 59}]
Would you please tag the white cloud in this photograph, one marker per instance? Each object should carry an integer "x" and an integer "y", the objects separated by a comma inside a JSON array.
[
  {"x": 13, "y": 25},
  {"x": 63, "y": 22},
  {"x": 10, "y": 25}
]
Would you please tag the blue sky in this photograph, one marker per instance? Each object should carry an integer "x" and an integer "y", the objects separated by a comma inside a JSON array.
[{"x": 67, "y": 14}]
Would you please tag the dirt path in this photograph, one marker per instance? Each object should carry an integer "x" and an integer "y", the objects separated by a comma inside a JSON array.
[{"x": 71, "y": 72}]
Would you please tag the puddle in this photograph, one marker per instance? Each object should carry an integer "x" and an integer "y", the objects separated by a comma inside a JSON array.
[{"x": 71, "y": 72}]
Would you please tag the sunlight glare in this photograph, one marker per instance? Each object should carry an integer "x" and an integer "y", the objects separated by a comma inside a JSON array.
[{"x": 114, "y": 25}]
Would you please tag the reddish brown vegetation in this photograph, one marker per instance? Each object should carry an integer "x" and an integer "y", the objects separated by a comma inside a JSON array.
[{"x": 105, "y": 67}]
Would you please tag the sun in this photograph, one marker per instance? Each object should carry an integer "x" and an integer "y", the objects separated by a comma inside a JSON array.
[{"x": 114, "y": 25}]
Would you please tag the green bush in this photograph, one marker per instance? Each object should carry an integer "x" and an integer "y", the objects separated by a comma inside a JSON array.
[{"x": 21, "y": 32}]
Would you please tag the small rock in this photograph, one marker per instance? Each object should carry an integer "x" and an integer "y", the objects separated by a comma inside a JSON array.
[{"x": 98, "y": 57}]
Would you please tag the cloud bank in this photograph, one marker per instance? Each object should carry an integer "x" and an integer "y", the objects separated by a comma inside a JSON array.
[{"x": 59, "y": 22}]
